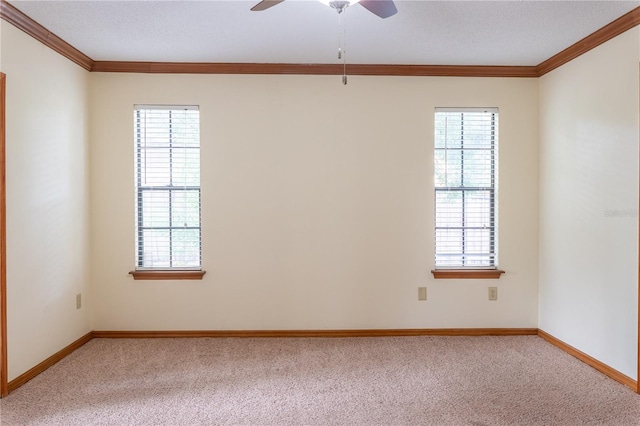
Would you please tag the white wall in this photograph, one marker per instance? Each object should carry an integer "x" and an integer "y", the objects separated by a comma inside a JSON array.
[
  {"x": 317, "y": 204},
  {"x": 47, "y": 199},
  {"x": 589, "y": 202}
]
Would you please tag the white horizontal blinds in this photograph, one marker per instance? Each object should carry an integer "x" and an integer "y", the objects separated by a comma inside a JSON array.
[
  {"x": 466, "y": 143},
  {"x": 168, "y": 234}
]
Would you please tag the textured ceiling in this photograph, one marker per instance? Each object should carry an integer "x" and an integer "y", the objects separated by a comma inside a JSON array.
[{"x": 306, "y": 31}]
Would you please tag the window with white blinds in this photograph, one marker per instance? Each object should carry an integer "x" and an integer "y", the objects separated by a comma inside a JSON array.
[
  {"x": 167, "y": 183},
  {"x": 466, "y": 168}
]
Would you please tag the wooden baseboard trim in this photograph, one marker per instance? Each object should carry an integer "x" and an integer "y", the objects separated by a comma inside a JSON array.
[
  {"x": 598, "y": 365},
  {"x": 589, "y": 360},
  {"x": 317, "y": 333},
  {"x": 25, "y": 377}
]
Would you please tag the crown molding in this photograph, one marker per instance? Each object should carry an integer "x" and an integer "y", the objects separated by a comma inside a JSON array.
[
  {"x": 21, "y": 21},
  {"x": 313, "y": 69},
  {"x": 604, "y": 34}
]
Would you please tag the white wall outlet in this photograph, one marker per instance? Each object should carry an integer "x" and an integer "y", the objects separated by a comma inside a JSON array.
[
  {"x": 78, "y": 300},
  {"x": 422, "y": 293},
  {"x": 493, "y": 293}
]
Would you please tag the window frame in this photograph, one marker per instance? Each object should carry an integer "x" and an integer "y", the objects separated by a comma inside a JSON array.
[
  {"x": 141, "y": 272},
  {"x": 462, "y": 271}
]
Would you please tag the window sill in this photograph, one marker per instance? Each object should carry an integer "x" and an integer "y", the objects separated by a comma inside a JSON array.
[
  {"x": 467, "y": 273},
  {"x": 167, "y": 275}
]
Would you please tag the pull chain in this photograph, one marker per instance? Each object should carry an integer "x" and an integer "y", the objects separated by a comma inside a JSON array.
[
  {"x": 344, "y": 48},
  {"x": 342, "y": 44}
]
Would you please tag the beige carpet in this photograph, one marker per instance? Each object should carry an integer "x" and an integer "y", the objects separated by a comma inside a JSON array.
[{"x": 520, "y": 380}]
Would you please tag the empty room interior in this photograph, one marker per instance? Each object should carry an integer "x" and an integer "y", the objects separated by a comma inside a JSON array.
[{"x": 320, "y": 196}]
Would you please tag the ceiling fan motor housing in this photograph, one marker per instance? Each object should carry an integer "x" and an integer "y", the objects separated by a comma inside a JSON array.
[
  {"x": 381, "y": 8},
  {"x": 340, "y": 5}
]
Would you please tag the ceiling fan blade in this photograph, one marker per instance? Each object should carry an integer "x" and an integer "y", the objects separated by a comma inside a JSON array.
[
  {"x": 382, "y": 8},
  {"x": 265, "y": 4}
]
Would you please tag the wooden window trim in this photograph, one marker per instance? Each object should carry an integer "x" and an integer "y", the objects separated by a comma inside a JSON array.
[
  {"x": 167, "y": 275},
  {"x": 457, "y": 217},
  {"x": 467, "y": 273},
  {"x": 151, "y": 121}
]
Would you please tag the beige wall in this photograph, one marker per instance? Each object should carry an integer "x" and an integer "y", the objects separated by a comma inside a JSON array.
[
  {"x": 317, "y": 204},
  {"x": 589, "y": 202},
  {"x": 47, "y": 199}
]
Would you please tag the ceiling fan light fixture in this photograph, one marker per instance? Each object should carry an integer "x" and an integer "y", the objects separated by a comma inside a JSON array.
[{"x": 339, "y": 5}]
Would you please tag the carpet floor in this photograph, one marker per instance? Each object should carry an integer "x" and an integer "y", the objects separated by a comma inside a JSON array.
[{"x": 476, "y": 381}]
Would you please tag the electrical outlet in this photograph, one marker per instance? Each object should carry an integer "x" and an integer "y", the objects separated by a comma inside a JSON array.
[
  {"x": 493, "y": 293},
  {"x": 78, "y": 300},
  {"x": 422, "y": 293}
]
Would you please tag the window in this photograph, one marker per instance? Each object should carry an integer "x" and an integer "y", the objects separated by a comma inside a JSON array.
[
  {"x": 167, "y": 182},
  {"x": 465, "y": 178}
]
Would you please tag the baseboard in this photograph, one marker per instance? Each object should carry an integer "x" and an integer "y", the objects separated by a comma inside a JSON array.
[
  {"x": 589, "y": 360},
  {"x": 30, "y": 374},
  {"x": 598, "y": 365},
  {"x": 25, "y": 377},
  {"x": 319, "y": 333}
]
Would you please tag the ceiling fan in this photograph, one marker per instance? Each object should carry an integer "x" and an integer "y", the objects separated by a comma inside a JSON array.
[{"x": 381, "y": 8}]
